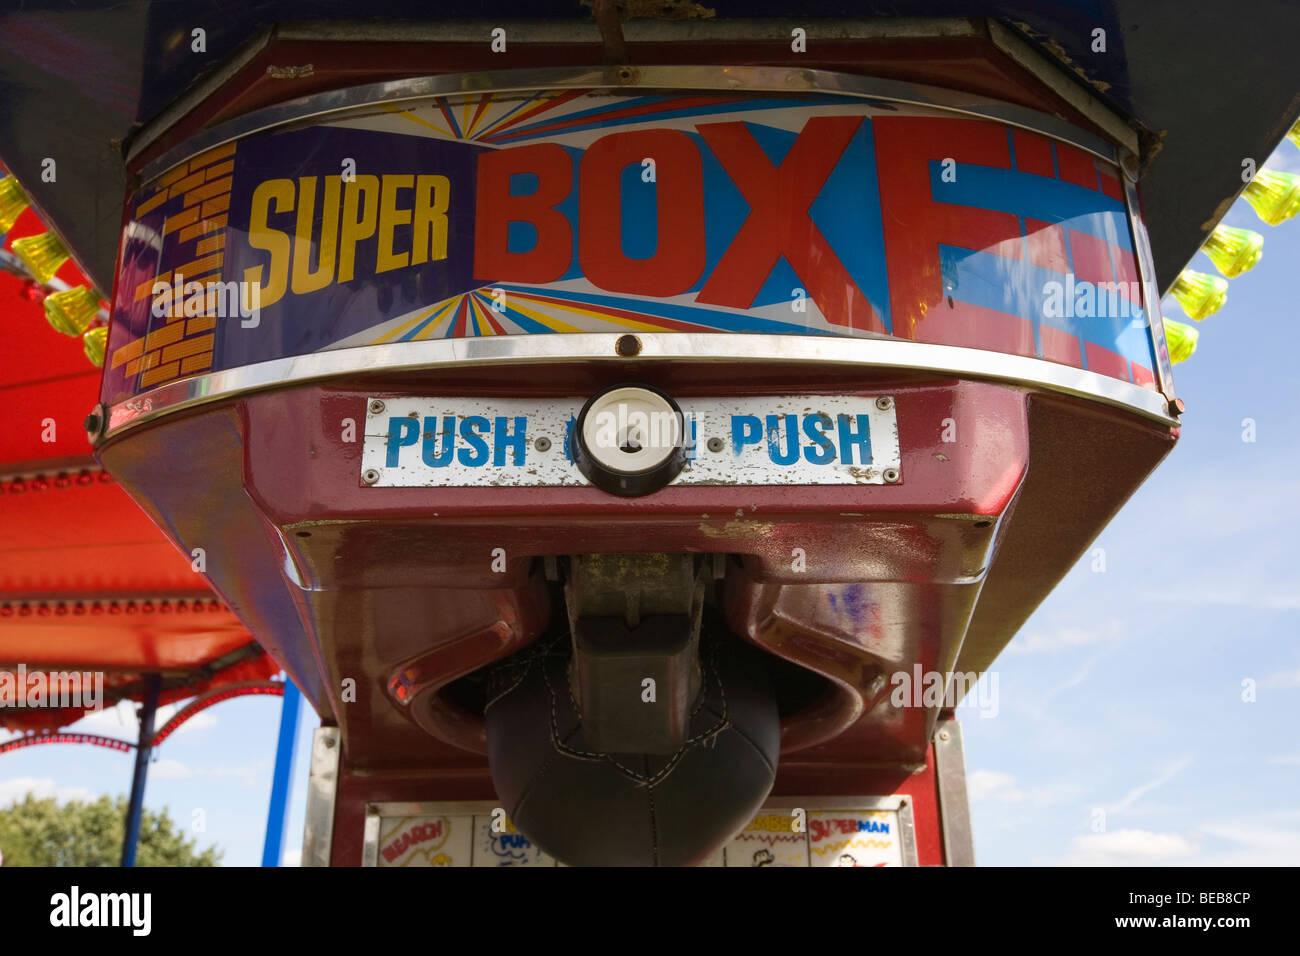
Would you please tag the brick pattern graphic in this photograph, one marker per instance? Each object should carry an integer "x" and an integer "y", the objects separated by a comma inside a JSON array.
[{"x": 195, "y": 196}]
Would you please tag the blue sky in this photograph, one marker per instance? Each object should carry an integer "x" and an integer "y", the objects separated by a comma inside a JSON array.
[{"x": 1120, "y": 703}]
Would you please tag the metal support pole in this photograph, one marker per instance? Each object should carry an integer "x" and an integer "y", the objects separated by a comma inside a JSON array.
[
  {"x": 282, "y": 777},
  {"x": 136, "y": 809}
]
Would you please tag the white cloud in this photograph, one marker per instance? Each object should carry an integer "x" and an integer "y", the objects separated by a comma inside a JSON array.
[
  {"x": 1263, "y": 840},
  {"x": 1067, "y": 638},
  {"x": 11, "y": 791},
  {"x": 1138, "y": 792},
  {"x": 203, "y": 720},
  {"x": 1284, "y": 598},
  {"x": 998, "y": 787},
  {"x": 168, "y": 769},
  {"x": 993, "y": 785},
  {"x": 250, "y": 775},
  {"x": 1129, "y": 848},
  {"x": 1282, "y": 679},
  {"x": 1286, "y": 158}
]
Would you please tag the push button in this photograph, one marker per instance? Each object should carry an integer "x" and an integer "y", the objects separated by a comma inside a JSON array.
[{"x": 629, "y": 440}]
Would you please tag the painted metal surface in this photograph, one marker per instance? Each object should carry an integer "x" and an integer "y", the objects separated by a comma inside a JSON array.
[
  {"x": 782, "y": 440},
  {"x": 526, "y": 212}
]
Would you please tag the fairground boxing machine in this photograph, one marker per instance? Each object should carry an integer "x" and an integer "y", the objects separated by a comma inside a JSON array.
[{"x": 635, "y": 433}]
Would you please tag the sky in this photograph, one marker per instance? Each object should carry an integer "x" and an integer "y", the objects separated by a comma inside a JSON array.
[
  {"x": 1144, "y": 712},
  {"x": 1124, "y": 691}
]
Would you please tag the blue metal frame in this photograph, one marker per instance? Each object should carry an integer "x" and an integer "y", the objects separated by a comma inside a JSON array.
[
  {"x": 136, "y": 809},
  {"x": 282, "y": 778}
]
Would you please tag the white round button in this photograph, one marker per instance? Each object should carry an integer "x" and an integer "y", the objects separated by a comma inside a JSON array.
[{"x": 629, "y": 440}]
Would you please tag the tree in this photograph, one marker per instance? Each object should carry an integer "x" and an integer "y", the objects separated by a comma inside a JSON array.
[{"x": 39, "y": 832}]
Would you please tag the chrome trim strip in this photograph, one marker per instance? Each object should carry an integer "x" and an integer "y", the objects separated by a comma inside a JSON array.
[
  {"x": 849, "y": 353},
  {"x": 322, "y": 788},
  {"x": 735, "y": 78},
  {"x": 954, "y": 801},
  {"x": 1150, "y": 291},
  {"x": 533, "y": 32}
]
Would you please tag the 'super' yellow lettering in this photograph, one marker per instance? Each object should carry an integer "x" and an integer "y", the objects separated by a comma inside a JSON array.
[
  {"x": 429, "y": 231},
  {"x": 322, "y": 247},
  {"x": 360, "y": 212},
  {"x": 304, "y": 278},
  {"x": 390, "y": 217},
  {"x": 262, "y": 236}
]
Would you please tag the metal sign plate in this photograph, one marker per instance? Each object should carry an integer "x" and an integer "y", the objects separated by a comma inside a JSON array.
[{"x": 790, "y": 440}]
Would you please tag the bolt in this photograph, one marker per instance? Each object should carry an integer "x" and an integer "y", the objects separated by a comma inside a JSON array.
[
  {"x": 370, "y": 476},
  {"x": 95, "y": 423},
  {"x": 628, "y": 346},
  {"x": 376, "y": 407},
  {"x": 943, "y": 735},
  {"x": 884, "y": 404},
  {"x": 1177, "y": 406},
  {"x": 542, "y": 444},
  {"x": 891, "y": 475},
  {"x": 329, "y": 743},
  {"x": 715, "y": 444}
]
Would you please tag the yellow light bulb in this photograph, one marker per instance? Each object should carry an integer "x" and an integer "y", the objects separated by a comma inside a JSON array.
[
  {"x": 95, "y": 342},
  {"x": 1182, "y": 340},
  {"x": 1199, "y": 294},
  {"x": 41, "y": 255},
  {"x": 1275, "y": 196},
  {"x": 1234, "y": 251},
  {"x": 71, "y": 312},
  {"x": 12, "y": 202}
]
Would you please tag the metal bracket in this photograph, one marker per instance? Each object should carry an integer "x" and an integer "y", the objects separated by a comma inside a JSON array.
[
  {"x": 322, "y": 788},
  {"x": 954, "y": 803}
]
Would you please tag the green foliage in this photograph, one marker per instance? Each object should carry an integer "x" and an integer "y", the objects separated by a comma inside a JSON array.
[{"x": 42, "y": 833}]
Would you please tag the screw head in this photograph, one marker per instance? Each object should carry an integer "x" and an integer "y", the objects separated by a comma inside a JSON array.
[
  {"x": 715, "y": 444},
  {"x": 884, "y": 403},
  {"x": 943, "y": 735},
  {"x": 628, "y": 346},
  {"x": 891, "y": 475},
  {"x": 542, "y": 444},
  {"x": 370, "y": 476},
  {"x": 376, "y": 407},
  {"x": 95, "y": 423}
]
